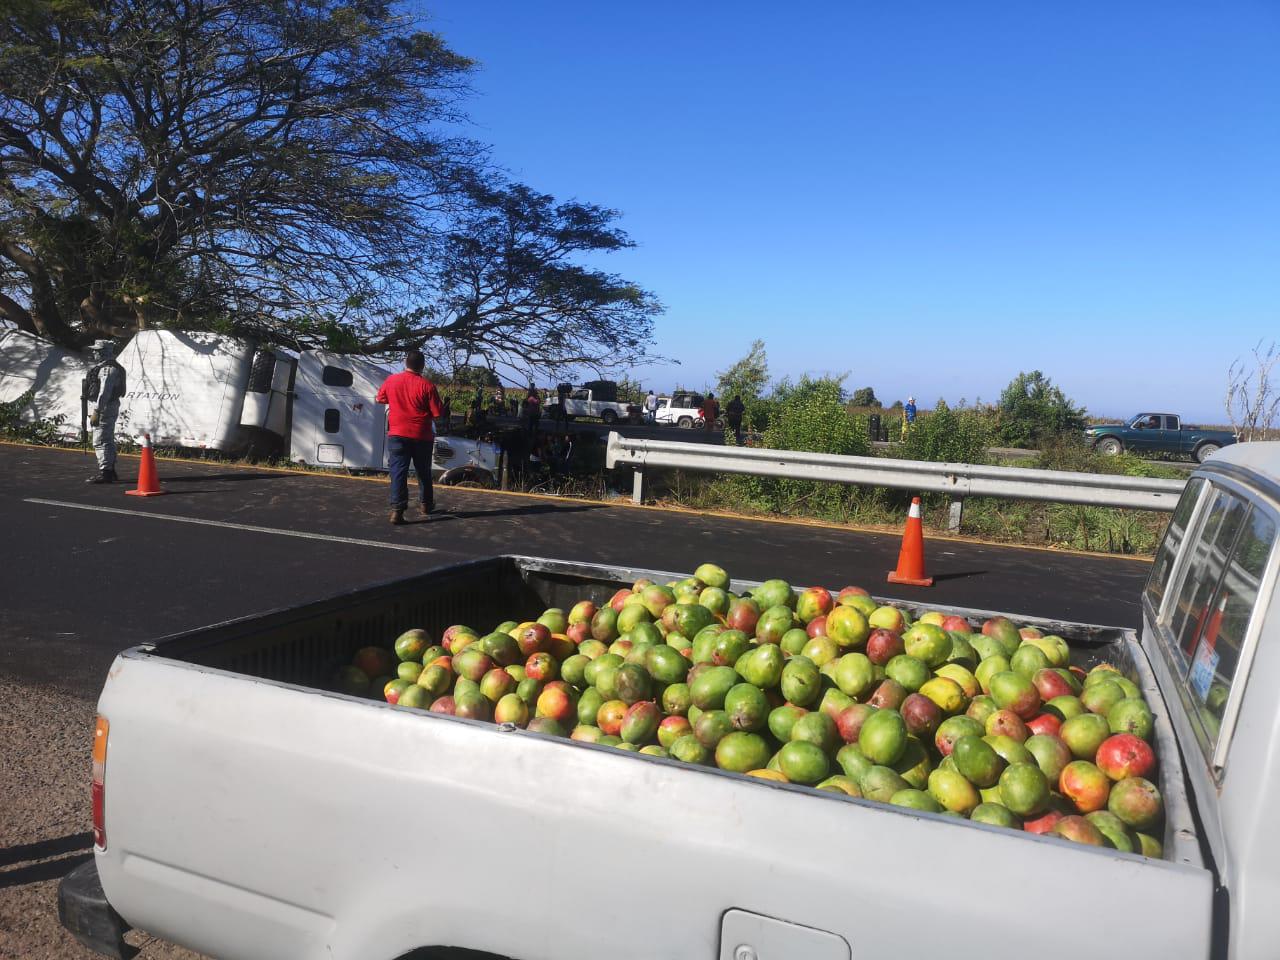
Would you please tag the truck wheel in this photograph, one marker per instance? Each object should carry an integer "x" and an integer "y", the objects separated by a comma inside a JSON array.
[
  {"x": 468, "y": 476},
  {"x": 609, "y": 417},
  {"x": 684, "y": 423},
  {"x": 1206, "y": 450},
  {"x": 1110, "y": 446}
]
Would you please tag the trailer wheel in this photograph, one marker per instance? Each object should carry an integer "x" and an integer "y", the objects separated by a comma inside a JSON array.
[
  {"x": 1110, "y": 446},
  {"x": 1206, "y": 450},
  {"x": 609, "y": 416}
]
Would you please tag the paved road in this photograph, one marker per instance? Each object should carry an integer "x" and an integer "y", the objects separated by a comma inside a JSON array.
[
  {"x": 93, "y": 571},
  {"x": 90, "y": 571}
]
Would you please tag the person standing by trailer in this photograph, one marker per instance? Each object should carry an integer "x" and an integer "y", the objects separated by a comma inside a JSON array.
[
  {"x": 446, "y": 415},
  {"x": 650, "y": 408},
  {"x": 710, "y": 412},
  {"x": 531, "y": 413},
  {"x": 562, "y": 405},
  {"x": 103, "y": 387},
  {"x": 413, "y": 404},
  {"x": 733, "y": 417}
]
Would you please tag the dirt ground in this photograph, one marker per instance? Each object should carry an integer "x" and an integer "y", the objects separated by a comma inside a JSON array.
[{"x": 45, "y": 821}]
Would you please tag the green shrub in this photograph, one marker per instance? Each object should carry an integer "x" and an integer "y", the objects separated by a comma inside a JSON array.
[
  {"x": 808, "y": 415},
  {"x": 948, "y": 436},
  {"x": 1033, "y": 411},
  {"x": 16, "y": 426}
]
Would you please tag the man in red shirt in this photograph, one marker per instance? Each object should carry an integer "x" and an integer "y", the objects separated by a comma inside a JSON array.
[{"x": 413, "y": 404}]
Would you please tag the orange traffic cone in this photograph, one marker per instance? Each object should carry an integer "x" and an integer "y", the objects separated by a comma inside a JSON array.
[
  {"x": 148, "y": 480},
  {"x": 911, "y": 556}
]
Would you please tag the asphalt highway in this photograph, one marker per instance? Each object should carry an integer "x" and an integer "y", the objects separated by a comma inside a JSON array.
[{"x": 91, "y": 570}]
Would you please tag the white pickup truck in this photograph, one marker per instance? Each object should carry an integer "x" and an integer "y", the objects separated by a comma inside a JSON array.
[
  {"x": 682, "y": 409},
  {"x": 589, "y": 401},
  {"x": 243, "y": 811}
]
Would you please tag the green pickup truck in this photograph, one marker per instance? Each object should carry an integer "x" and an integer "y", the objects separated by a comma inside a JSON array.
[{"x": 1157, "y": 433}]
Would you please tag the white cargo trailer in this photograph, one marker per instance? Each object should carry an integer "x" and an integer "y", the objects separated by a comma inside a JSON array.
[
  {"x": 190, "y": 390},
  {"x": 51, "y": 374},
  {"x": 336, "y": 421},
  {"x": 207, "y": 391}
]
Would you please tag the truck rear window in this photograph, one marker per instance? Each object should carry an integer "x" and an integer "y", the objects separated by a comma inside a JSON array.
[
  {"x": 1217, "y": 650},
  {"x": 1174, "y": 534},
  {"x": 1211, "y": 549},
  {"x": 1205, "y": 622}
]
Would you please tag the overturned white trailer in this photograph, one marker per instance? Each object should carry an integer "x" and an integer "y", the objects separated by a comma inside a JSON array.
[{"x": 207, "y": 391}]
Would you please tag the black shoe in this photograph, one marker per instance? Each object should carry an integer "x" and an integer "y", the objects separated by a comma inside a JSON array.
[
  {"x": 104, "y": 477},
  {"x": 111, "y": 474}
]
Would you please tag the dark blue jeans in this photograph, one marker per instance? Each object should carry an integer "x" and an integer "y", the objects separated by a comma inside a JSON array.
[{"x": 401, "y": 451}]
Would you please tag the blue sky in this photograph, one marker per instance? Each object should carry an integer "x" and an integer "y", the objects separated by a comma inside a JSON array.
[{"x": 932, "y": 196}]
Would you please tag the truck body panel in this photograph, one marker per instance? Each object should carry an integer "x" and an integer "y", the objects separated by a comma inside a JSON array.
[{"x": 249, "y": 814}]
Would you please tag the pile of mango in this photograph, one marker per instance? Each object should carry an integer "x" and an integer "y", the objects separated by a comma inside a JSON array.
[{"x": 836, "y": 692}]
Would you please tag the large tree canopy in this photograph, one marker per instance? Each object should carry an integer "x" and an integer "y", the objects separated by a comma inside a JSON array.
[
  {"x": 288, "y": 168},
  {"x": 507, "y": 287}
]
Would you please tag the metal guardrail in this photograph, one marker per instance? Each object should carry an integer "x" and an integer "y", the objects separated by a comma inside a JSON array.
[{"x": 957, "y": 480}]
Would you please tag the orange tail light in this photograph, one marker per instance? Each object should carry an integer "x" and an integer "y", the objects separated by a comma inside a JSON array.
[{"x": 99, "y": 788}]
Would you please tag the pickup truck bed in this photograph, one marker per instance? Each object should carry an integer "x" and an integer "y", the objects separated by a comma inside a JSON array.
[{"x": 295, "y": 822}]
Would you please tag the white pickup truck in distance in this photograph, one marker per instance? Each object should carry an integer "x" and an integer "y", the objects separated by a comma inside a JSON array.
[
  {"x": 598, "y": 400},
  {"x": 245, "y": 809},
  {"x": 682, "y": 409}
]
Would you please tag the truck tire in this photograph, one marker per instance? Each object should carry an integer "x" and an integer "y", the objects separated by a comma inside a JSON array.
[
  {"x": 1109, "y": 446},
  {"x": 468, "y": 476},
  {"x": 1206, "y": 450},
  {"x": 685, "y": 423},
  {"x": 609, "y": 417}
]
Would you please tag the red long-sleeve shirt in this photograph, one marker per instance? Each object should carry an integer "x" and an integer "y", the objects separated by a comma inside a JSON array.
[{"x": 413, "y": 404}]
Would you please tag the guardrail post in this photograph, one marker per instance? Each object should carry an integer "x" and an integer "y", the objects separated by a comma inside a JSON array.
[
  {"x": 957, "y": 509},
  {"x": 637, "y": 485}
]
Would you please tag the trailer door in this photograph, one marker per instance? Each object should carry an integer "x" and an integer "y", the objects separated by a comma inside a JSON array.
[{"x": 337, "y": 423}]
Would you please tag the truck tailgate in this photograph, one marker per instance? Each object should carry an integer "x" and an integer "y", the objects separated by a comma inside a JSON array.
[{"x": 252, "y": 818}]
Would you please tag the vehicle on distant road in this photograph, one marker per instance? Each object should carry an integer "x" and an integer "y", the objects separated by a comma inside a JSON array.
[
  {"x": 1157, "y": 433},
  {"x": 598, "y": 399},
  {"x": 682, "y": 409}
]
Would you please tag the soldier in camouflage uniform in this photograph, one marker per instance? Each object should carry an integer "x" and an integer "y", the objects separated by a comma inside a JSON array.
[{"x": 104, "y": 386}]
